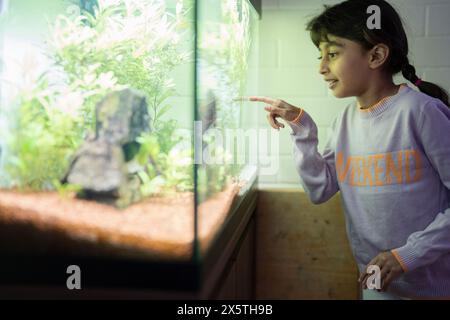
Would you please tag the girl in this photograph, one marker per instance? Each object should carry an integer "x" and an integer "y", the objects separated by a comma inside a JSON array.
[{"x": 388, "y": 154}]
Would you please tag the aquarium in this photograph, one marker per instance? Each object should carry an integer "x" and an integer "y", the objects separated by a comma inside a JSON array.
[{"x": 122, "y": 129}]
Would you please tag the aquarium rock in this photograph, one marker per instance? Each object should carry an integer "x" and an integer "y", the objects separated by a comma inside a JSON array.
[
  {"x": 99, "y": 166},
  {"x": 122, "y": 116}
]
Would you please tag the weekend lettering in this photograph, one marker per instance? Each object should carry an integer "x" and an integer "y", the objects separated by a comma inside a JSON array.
[{"x": 400, "y": 167}]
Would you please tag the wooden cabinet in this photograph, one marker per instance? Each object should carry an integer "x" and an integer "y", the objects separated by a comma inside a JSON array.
[
  {"x": 303, "y": 250},
  {"x": 227, "y": 289},
  {"x": 238, "y": 279}
]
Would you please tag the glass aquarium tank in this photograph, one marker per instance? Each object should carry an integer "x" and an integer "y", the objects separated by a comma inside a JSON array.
[{"x": 123, "y": 133}]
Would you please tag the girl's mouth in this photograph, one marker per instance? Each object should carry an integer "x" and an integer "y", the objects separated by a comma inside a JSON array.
[{"x": 332, "y": 83}]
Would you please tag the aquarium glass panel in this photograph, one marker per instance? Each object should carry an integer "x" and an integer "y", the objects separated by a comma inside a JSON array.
[{"x": 226, "y": 135}]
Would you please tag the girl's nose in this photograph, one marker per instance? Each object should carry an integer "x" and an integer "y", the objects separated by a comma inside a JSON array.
[{"x": 323, "y": 67}]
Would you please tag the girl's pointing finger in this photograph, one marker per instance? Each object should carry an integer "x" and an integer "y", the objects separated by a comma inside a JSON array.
[{"x": 261, "y": 99}]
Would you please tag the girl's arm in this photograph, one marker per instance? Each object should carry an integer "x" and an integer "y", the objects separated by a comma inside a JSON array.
[
  {"x": 317, "y": 172},
  {"x": 426, "y": 246}
]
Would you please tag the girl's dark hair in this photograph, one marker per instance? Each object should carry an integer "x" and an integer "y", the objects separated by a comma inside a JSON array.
[{"x": 349, "y": 20}]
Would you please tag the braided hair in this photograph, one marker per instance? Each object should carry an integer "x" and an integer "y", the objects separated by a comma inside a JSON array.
[{"x": 431, "y": 89}]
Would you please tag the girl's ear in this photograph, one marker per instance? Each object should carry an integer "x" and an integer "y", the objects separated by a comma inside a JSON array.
[{"x": 378, "y": 55}]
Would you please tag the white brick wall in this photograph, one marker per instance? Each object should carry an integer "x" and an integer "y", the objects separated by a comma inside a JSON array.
[{"x": 289, "y": 65}]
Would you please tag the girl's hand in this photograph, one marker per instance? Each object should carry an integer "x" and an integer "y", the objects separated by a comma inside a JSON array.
[
  {"x": 390, "y": 269},
  {"x": 278, "y": 109}
]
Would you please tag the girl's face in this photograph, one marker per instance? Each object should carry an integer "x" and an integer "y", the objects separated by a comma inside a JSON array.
[{"x": 344, "y": 65}]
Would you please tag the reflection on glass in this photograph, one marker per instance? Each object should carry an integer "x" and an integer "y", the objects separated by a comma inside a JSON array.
[{"x": 226, "y": 31}]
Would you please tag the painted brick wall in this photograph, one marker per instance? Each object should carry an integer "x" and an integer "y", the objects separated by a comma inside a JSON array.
[{"x": 289, "y": 65}]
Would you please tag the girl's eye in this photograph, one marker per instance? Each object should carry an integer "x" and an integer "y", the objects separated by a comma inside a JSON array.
[{"x": 330, "y": 54}]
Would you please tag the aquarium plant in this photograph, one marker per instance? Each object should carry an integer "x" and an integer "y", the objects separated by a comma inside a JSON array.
[{"x": 113, "y": 45}]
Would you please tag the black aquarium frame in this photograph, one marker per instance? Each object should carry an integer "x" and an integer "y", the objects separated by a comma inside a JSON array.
[{"x": 257, "y": 4}]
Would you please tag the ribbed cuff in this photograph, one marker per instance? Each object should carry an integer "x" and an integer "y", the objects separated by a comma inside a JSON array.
[
  {"x": 407, "y": 257},
  {"x": 296, "y": 124},
  {"x": 299, "y": 117}
]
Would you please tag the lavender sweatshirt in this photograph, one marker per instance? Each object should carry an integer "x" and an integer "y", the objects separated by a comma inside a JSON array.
[{"x": 391, "y": 163}]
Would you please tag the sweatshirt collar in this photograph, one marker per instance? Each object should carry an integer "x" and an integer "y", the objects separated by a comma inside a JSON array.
[{"x": 382, "y": 105}]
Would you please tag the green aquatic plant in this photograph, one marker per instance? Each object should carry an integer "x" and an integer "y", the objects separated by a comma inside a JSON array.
[
  {"x": 133, "y": 43},
  {"x": 167, "y": 162},
  {"x": 45, "y": 130}
]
